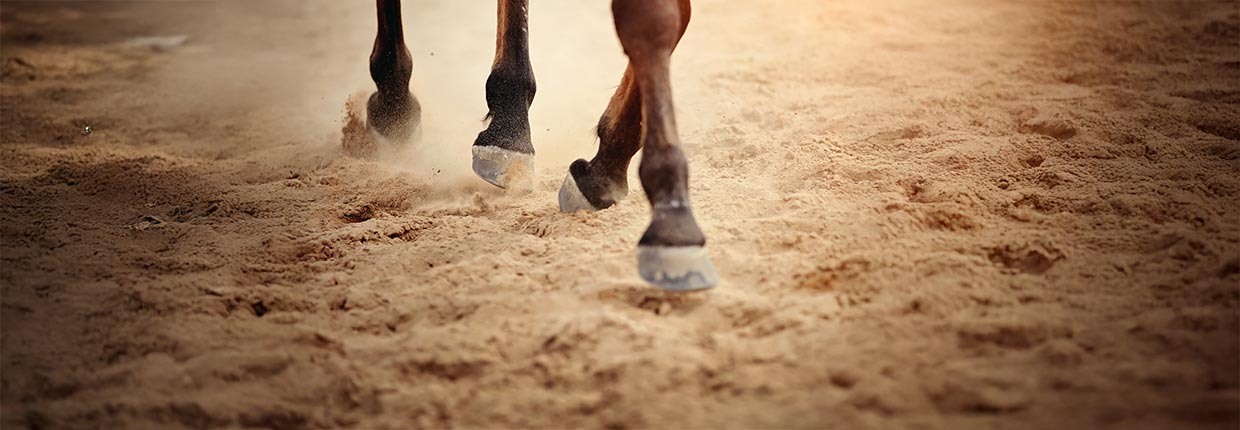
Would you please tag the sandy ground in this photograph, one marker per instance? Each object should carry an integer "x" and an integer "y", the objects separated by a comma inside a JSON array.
[{"x": 927, "y": 214}]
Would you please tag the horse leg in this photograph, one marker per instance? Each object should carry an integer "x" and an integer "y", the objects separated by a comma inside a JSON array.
[
  {"x": 392, "y": 112},
  {"x": 503, "y": 153},
  {"x": 672, "y": 252},
  {"x": 602, "y": 181}
]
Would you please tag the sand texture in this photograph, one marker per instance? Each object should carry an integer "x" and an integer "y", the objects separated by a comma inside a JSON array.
[{"x": 939, "y": 214}]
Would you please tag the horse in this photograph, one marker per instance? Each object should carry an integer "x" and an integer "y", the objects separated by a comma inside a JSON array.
[{"x": 672, "y": 253}]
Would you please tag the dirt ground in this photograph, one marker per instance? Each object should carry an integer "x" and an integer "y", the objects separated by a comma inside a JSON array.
[{"x": 927, "y": 214}]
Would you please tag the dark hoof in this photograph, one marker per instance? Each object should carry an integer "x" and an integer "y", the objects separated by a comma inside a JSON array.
[
  {"x": 503, "y": 153},
  {"x": 677, "y": 268},
  {"x": 504, "y": 168},
  {"x": 571, "y": 199},
  {"x": 393, "y": 120},
  {"x": 396, "y": 138},
  {"x": 586, "y": 189}
]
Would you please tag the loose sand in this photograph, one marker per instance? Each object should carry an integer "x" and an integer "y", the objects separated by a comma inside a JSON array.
[{"x": 927, "y": 214}]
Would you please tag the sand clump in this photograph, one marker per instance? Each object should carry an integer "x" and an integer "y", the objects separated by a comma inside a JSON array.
[{"x": 355, "y": 139}]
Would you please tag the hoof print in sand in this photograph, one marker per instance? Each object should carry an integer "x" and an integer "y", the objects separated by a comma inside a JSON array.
[{"x": 1029, "y": 258}]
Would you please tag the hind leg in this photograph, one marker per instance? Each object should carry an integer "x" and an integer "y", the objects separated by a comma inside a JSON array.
[
  {"x": 602, "y": 181},
  {"x": 672, "y": 252},
  {"x": 392, "y": 111},
  {"x": 503, "y": 153}
]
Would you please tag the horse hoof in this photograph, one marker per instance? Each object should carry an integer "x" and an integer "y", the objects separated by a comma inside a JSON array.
[
  {"x": 571, "y": 198},
  {"x": 397, "y": 120},
  {"x": 677, "y": 268},
  {"x": 384, "y": 141},
  {"x": 504, "y": 168}
]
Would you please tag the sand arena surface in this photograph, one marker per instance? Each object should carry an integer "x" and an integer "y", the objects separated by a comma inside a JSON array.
[{"x": 927, "y": 214}]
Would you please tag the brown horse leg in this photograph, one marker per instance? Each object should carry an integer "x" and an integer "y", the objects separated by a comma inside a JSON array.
[
  {"x": 503, "y": 153},
  {"x": 672, "y": 252},
  {"x": 392, "y": 112},
  {"x": 602, "y": 181}
]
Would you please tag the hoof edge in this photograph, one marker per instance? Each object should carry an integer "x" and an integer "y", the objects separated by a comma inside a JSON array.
[
  {"x": 504, "y": 168},
  {"x": 677, "y": 268}
]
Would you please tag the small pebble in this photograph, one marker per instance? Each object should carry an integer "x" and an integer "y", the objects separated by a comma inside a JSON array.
[{"x": 664, "y": 308}]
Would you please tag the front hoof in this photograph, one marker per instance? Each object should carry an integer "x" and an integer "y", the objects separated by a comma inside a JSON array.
[
  {"x": 504, "y": 168},
  {"x": 571, "y": 198},
  {"x": 677, "y": 268},
  {"x": 394, "y": 120},
  {"x": 585, "y": 188}
]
